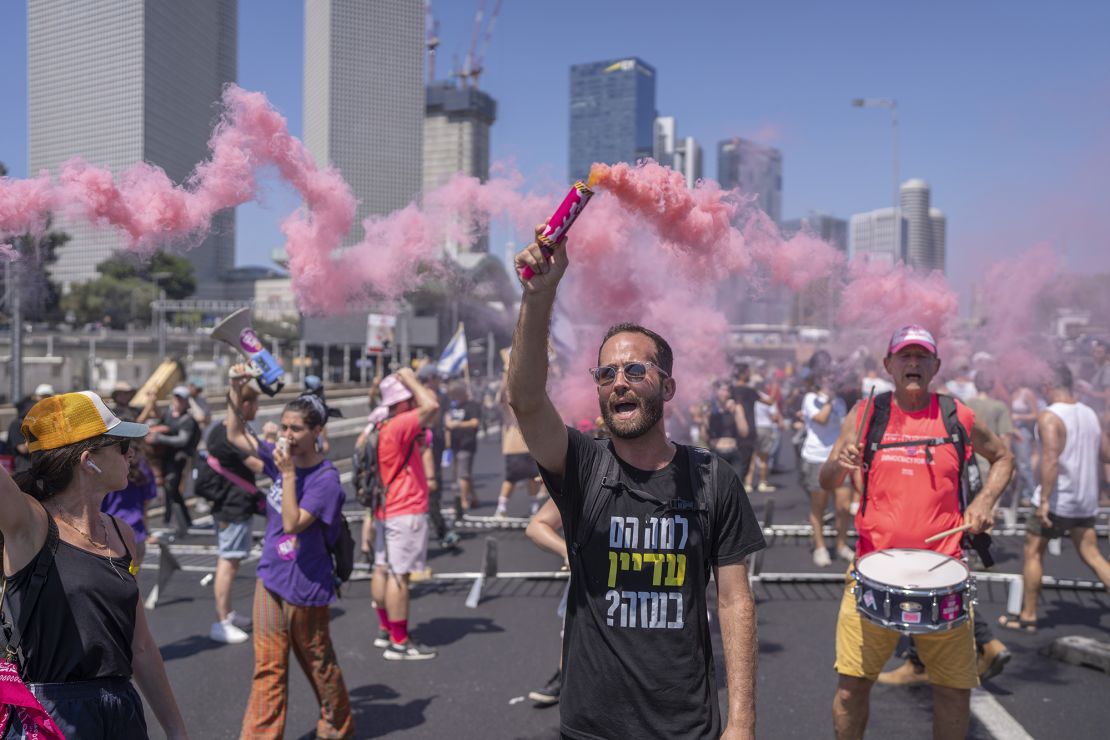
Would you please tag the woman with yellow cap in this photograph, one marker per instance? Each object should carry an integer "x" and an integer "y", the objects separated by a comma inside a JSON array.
[{"x": 74, "y": 622}]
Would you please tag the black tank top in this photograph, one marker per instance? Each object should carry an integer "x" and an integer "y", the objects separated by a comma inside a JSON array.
[
  {"x": 85, "y": 618},
  {"x": 722, "y": 423}
]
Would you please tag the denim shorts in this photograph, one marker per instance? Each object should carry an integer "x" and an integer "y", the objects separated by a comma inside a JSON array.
[
  {"x": 101, "y": 708},
  {"x": 234, "y": 539}
]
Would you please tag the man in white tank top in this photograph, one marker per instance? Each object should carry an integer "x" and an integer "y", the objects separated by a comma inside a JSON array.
[{"x": 1072, "y": 441}]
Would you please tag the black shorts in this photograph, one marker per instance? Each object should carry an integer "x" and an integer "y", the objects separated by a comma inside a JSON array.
[
  {"x": 521, "y": 466},
  {"x": 1060, "y": 525}
]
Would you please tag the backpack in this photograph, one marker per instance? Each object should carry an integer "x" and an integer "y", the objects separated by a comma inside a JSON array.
[
  {"x": 955, "y": 434},
  {"x": 343, "y": 554},
  {"x": 370, "y": 489},
  {"x": 702, "y": 466}
]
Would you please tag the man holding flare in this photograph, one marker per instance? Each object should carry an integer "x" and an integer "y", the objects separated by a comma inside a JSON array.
[{"x": 644, "y": 519}]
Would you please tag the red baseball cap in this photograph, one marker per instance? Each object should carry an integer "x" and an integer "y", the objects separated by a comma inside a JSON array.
[{"x": 912, "y": 334}]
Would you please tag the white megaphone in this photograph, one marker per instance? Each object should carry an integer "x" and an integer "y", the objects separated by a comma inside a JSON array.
[{"x": 236, "y": 330}]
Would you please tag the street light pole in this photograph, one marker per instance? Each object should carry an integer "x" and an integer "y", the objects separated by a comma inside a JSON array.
[
  {"x": 892, "y": 105},
  {"x": 158, "y": 277}
]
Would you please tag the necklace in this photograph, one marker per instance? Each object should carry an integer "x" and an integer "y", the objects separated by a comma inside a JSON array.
[{"x": 107, "y": 555}]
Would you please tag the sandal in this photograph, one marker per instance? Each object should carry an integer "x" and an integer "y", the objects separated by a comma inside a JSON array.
[{"x": 1015, "y": 622}]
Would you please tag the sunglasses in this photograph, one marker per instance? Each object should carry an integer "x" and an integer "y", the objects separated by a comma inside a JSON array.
[{"x": 634, "y": 372}]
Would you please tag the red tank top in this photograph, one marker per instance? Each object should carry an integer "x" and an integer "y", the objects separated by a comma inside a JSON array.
[{"x": 908, "y": 497}]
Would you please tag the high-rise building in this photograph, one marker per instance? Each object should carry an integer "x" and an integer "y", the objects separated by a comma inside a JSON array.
[
  {"x": 612, "y": 113},
  {"x": 664, "y": 147},
  {"x": 364, "y": 98},
  {"x": 873, "y": 236},
  {"x": 754, "y": 169},
  {"x": 687, "y": 160},
  {"x": 457, "y": 123},
  {"x": 924, "y": 248},
  {"x": 940, "y": 234},
  {"x": 120, "y": 83},
  {"x": 831, "y": 230}
]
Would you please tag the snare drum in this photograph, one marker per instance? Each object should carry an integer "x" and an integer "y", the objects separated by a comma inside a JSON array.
[{"x": 913, "y": 591}]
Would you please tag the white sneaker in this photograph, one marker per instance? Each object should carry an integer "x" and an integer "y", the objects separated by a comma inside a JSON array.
[
  {"x": 242, "y": 621},
  {"x": 821, "y": 557},
  {"x": 227, "y": 632},
  {"x": 846, "y": 553}
]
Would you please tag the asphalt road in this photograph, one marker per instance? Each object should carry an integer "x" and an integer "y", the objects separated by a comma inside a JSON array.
[{"x": 492, "y": 655}]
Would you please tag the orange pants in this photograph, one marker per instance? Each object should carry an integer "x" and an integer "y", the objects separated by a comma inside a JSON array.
[{"x": 277, "y": 626}]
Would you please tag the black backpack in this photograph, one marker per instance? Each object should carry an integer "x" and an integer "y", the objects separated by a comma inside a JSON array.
[
  {"x": 369, "y": 487},
  {"x": 955, "y": 435},
  {"x": 343, "y": 554}
]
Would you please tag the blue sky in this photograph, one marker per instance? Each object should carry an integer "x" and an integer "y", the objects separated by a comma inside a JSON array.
[{"x": 1004, "y": 105}]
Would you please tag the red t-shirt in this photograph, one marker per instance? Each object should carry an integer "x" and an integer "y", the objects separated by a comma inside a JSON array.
[
  {"x": 909, "y": 498},
  {"x": 408, "y": 494}
]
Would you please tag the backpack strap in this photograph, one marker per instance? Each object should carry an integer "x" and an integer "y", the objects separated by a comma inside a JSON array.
[
  {"x": 14, "y": 633},
  {"x": 610, "y": 480},
  {"x": 873, "y": 438},
  {"x": 702, "y": 465}
]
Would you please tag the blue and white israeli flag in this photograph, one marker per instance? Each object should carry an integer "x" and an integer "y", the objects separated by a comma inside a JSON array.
[{"x": 454, "y": 357}]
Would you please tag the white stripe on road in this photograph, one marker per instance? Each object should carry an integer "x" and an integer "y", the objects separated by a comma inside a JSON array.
[{"x": 993, "y": 716}]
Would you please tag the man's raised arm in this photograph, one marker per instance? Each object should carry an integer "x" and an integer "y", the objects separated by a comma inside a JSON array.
[{"x": 539, "y": 422}]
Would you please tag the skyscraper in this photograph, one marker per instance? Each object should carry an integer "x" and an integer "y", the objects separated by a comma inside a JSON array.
[
  {"x": 832, "y": 230},
  {"x": 754, "y": 169},
  {"x": 687, "y": 160},
  {"x": 364, "y": 98},
  {"x": 663, "y": 149},
  {"x": 873, "y": 236},
  {"x": 925, "y": 227},
  {"x": 612, "y": 113},
  {"x": 456, "y": 137},
  {"x": 120, "y": 83}
]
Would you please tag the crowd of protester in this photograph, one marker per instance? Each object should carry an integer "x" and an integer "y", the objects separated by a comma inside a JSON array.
[{"x": 765, "y": 419}]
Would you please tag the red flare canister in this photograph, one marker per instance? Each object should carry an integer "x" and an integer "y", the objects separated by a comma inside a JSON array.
[{"x": 559, "y": 223}]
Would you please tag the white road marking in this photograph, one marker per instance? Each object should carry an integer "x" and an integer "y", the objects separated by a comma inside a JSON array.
[{"x": 994, "y": 717}]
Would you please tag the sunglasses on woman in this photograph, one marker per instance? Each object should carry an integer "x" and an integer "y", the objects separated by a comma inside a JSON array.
[{"x": 634, "y": 372}]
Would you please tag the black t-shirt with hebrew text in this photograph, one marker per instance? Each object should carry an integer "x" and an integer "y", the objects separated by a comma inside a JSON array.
[{"x": 637, "y": 653}]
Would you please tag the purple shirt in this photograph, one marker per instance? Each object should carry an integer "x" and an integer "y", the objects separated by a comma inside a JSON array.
[
  {"x": 298, "y": 567},
  {"x": 128, "y": 503}
]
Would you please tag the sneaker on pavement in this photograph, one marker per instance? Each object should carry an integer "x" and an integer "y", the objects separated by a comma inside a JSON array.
[
  {"x": 765, "y": 487},
  {"x": 451, "y": 539},
  {"x": 408, "y": 651},
  {"x": 821, "y": 557},
  {"x": 846, "y": 553},
  {"x": 500, "y": 514},
  {"x": 906, "y": 674},
  {"x": 242, "y": 621},
  {"x": 227, "y": 632},
  {"x": 382, "y": 640},
  {"x": 549, "y": 694}
]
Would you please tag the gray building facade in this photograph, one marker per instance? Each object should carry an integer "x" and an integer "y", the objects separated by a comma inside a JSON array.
[
  {"x": 612, "y": 114},
  {"x": 754, "y": 169},
  {"x": 925, "y": 227},
  {"x": 832, "y": 230},
  {"x": 364, "y": 98},
  {"x": 122, "y": 82},
  {"x": 457, "y": 123}
]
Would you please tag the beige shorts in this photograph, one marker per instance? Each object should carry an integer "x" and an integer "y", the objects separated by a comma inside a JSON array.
[{"x": 401, "y": 543}]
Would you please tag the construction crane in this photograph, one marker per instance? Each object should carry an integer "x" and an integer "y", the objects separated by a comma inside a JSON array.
[
  {"x": 475, "y": 58},
  {"x": 431, "y": 39}
]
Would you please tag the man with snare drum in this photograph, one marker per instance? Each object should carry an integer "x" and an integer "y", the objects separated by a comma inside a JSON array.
[{"x": 911, "y": 482}]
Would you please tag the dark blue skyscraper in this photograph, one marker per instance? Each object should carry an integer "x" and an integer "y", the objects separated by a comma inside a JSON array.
[{"x": 612, "y": 113}]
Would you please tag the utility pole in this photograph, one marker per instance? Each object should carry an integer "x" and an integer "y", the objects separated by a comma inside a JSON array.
[{"x": 15, "y": 309}]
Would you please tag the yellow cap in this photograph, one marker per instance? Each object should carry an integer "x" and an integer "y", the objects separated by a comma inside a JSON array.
[{"x": 62, "y": 420}]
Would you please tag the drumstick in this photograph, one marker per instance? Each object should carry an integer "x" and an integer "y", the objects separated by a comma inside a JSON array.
[
  {"x": 945, "y": 533},
  {"x": 857, "y": 476}
]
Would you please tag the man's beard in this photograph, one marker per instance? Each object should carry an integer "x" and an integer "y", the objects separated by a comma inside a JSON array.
[{"x": 650, "y": 412}]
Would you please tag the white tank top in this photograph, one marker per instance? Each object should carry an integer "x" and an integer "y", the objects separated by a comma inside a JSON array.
[{"x": 1076, "y": 493}]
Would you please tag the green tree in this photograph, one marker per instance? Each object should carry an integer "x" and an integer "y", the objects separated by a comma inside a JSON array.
[
  {"x": 114, "y": 301},
  {"x": 180, "y": 283}
]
